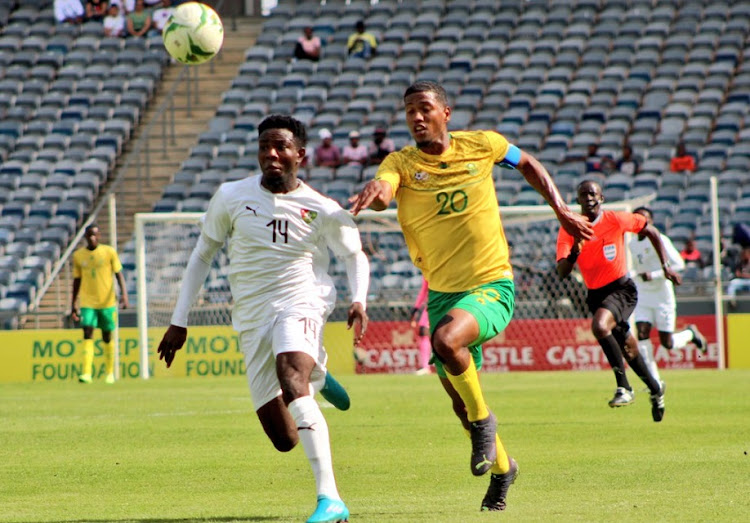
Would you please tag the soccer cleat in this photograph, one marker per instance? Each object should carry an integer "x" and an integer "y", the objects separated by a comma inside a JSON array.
[
  {"x": 110, "y": 379},
  {"x": 483, "y": 444},
  {"x": 494, "y": 499},
  {"x": 84, "y": 378},
  {"x": 698, "y": 338},
  {"x": 335, "y": 393},
  {"x": 329, "y": 510},
  {"x": 424, "y": 371},
  {"x": 657, "y": 403},
  {"x": 622, "y": 397}
]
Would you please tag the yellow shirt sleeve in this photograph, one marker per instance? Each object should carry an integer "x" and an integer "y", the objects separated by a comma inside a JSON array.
[
  {"x": 389, "y": 172},
  {"x": 498, "y": 144}
]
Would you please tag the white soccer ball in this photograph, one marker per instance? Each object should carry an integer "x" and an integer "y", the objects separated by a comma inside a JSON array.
[{"x": 193, "y": 34}]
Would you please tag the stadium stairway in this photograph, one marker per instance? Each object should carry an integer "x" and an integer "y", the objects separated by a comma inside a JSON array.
[{"x": 130, "y": 197}]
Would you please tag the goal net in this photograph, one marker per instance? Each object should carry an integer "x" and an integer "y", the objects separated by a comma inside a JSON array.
[{"x": 545, "y": 306}]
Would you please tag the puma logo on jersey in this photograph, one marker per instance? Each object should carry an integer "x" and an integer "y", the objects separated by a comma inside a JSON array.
[{"x": 251, "y": 209}]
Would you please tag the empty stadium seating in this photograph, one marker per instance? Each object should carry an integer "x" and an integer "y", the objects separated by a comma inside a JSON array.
[{"x": 552, "y": 76}]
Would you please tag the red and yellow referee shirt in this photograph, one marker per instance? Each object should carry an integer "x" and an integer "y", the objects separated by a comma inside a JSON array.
[{"x": 603, "y": 259}]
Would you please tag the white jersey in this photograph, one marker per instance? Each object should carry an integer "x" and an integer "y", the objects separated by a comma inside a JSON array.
[
  {"x": 646, "y": 259},
  {"x": 278, "y": 248}
]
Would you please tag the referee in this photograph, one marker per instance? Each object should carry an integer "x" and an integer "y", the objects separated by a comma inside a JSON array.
[{"x": 612, "y": 295}]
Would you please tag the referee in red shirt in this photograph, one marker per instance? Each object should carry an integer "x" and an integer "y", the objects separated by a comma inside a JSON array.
[{"x": 612, "y": 295}]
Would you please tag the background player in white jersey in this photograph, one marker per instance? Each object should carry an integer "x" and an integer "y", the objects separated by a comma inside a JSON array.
[
  {"x": 656, "y": 302},
  {"x": 278, "y": 232}
]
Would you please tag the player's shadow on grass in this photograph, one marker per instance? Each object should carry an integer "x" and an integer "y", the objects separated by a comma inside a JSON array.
[{"x": 221, "y": 519}]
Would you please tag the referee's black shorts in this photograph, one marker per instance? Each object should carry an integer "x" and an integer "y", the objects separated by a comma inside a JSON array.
[{"x": 618, "y": 297}]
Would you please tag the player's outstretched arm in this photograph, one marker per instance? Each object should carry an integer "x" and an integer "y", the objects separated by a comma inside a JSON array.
[
  {"x": 376, "y": 195},
  {"x": 574, "y": 224},
  {"x": 172, "y": 341}
]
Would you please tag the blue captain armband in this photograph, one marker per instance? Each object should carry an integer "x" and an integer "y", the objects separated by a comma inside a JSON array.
[{"x": 512, "y": 156}]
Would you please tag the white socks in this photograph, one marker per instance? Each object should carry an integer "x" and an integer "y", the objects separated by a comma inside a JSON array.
[
  {"x": 646, "y": 350},
  {"x": 313, "y": 432},
  {"x": 680, "y": 339}
]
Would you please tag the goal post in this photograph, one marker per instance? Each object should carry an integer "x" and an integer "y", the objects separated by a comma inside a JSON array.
[{"x": 144, "y": 223}]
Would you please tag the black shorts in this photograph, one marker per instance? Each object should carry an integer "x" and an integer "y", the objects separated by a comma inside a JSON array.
[{"x": 618, "y": 297}]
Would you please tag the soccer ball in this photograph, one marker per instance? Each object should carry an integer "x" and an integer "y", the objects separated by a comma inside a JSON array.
[{"x": 193, "y": 34}]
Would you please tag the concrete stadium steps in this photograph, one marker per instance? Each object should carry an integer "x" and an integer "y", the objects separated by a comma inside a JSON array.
[{"x": 130, "y": 200}]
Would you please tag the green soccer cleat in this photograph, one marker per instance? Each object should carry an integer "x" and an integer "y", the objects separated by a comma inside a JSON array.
[
  {"x": 84, "y": 378},
  {"x": 335, "y": 394},
  {"x": 329, "y": 510}
]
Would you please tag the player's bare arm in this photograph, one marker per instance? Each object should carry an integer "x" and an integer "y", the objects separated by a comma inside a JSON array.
[
  {"x": 124, "y": 302},
  {"x": 538, "y": 177},
  {"x": 172, "y": 341},
  {"x": 376, "y": 195},
  {"x": 357, "y": 318},
  {"x": 654, "y": 237},
  {"x": 75, "y": 313}
]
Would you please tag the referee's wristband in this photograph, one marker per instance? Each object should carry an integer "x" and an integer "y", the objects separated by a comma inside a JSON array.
[{"x": 572, "y": 257}]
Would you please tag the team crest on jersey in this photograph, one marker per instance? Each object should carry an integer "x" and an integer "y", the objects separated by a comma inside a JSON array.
[
  {"x": 472, "y": 169},
  {"x": 308, "y": 216},
  {"x": 610, "y": 251},
  {"x": 420, "y": 176}
]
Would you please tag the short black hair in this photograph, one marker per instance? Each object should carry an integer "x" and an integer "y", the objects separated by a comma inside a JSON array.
[
  {"x": 284, "y": 121},
  {"x": 644, "y": 209},
  {"x": 90, "y": 228},
  {"x": 424, "y": 86},
  {"x": 589, "y": 181}
]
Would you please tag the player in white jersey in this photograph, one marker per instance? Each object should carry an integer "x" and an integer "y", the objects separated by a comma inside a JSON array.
[
  {"x": 278, "y": 232},
  {"x": 656, "y": 302}
]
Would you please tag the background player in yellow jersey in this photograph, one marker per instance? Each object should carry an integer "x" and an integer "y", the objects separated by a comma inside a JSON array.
[
  {"x": 93, "y": 269},
  {"x": 448, "y": 212}
]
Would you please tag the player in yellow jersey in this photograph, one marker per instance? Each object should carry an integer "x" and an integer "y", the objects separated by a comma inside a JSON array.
[
  {"x": 93, "y": 282},
  {"x": 448, "y": 211}
]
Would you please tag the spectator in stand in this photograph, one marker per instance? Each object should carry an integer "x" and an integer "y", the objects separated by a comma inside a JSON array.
[
  {"x": 741, "y": 280},
  {"x": 96, "y": 10},
  {"x": 380, "y": 147},
  {"x": 161, "y": 14},
  {"x": 114, "y": 22},
  {"x": 355, "y": 153},
  {"x": 692, "y": 255},
  {"x": 593, "y": 159},
  {"x": 139, "y": 21},
  {"x": 362, "y": 44},
  {"x": 628, "y": 163},
  {"x": 327, "y": 154},
  {"x": 307, "y": 46},
  {"x": 682, "y": 161},
  {"x": 69, "y": 11}
]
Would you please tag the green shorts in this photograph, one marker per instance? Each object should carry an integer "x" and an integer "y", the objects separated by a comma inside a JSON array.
[
  {"x": 491, "y": 305},
  {"x": 104, "y": 319}
]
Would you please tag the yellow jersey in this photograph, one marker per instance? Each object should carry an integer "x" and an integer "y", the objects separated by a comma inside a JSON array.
[
  {"x": 448, "y": 210},
  {"x": 96, "y": 269}
]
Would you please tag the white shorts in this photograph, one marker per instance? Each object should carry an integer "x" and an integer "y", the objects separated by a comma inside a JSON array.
[
  {"x": 661, "y": 315},
  {"x": 296, "y": 331}
]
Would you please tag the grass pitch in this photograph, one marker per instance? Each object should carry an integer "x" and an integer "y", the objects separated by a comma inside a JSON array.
[{"x": 180, "y": 450}]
